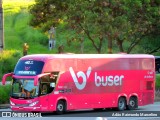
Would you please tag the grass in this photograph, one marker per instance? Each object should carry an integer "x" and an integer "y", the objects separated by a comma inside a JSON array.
[{"x": 18, "y": 31}]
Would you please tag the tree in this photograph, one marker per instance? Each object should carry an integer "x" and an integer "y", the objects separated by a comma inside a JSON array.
[
  {"x": 93, "y": 18},
  {"x": 117, "y": 21},
  {"x": 99, "y": 19},
  {"x": 143, "y": 20},
  {"x": 46, "y": 13}
]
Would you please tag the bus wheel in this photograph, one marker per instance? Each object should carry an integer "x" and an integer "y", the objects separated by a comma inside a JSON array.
[
  {"x": 132, "y": 103},
  {"x": 121, "y": 103},
  {"x": 60, "y": 109}
]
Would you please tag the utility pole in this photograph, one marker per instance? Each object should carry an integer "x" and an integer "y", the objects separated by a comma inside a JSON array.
[{"x": 1, "y": 28}]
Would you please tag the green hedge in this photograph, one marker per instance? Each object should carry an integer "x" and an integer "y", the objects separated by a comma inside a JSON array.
[
  {"x": 4, "y": 94},
  {"x": 8, "y": 60},
  {"x": 158, "y": 81}
]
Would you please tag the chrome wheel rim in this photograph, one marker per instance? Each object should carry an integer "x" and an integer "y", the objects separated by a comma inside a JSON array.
[
  {"x": 60, "y": 107},
  {"x": 132, "y": 103}
]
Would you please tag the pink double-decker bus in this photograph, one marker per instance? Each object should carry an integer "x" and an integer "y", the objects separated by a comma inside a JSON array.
[{"x": 64, "y": 82}]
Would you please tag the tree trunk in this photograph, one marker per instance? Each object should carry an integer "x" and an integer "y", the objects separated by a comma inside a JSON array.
[
  {"x": 82, "y": 45},
  {"x": 109, "y": 45},
  {"x": 119, "y": 43}
]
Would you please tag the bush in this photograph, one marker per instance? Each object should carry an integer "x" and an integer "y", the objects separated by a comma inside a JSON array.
[
  {"x": 8, "y": 61},
  {"x": 158, "y": 81},
  {"x": 4, "y": 94}
]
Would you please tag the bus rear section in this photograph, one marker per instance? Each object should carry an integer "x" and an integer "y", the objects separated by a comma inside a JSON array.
[{"x": 82, "y": 81}]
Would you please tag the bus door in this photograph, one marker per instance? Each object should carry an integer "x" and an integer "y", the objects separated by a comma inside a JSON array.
[
  {"x": 47, "y": 85},
  {"x": 44, "y": 92}
]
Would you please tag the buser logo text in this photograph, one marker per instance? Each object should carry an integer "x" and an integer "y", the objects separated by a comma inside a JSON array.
[{"x": 110, "y": 80}]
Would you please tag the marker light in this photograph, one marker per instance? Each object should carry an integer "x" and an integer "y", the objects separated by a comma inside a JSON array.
[{"x": 12, "y": 103}]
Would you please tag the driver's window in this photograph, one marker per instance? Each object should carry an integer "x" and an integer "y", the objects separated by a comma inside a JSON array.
[{"x": 44, "y": 89}]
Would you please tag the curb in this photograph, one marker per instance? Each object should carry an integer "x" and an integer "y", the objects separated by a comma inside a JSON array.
[{"x": 4, "y": 106}]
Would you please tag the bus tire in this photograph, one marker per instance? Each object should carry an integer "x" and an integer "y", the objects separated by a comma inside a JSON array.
[
  {"x": 121, "y": 104},
  {"x": 60, "y": 108},
  {"x": 132, "y": 103}
]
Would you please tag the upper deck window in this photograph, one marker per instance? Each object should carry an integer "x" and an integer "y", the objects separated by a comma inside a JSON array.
[{"x": 28, "y": 68}]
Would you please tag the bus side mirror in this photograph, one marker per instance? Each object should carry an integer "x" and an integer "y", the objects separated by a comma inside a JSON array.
[
  {"x": 39, "y": 76},
  {"x": 5, "y": 77}
]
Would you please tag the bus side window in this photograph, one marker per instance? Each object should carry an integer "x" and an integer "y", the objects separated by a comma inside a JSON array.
[
  {"x": 48, "y": 83},
  {"x": 53, "y": 80},
  {"x": 44, "y": 85},
  {"x": 44, "y": 89}
]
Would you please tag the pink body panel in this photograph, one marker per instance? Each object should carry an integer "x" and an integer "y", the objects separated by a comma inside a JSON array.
[{"x": 94, "y": 81}]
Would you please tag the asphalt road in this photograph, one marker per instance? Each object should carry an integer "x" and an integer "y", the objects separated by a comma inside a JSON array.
[{"x": 149, "y": 112}]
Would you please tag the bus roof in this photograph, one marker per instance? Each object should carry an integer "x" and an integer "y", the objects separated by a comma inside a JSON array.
[{"x": 44, "y": 57}]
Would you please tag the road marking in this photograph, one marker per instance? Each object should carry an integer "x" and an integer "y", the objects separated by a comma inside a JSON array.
[{"x": 101, "y": 118}]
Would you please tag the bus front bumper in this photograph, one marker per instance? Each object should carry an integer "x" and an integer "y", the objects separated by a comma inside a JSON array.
[{"x": 17, "y": 108}]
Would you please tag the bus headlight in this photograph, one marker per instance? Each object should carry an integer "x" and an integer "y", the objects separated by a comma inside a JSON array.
[
  {"x": 33, "y": 104},
  {"x": 12, "y": 103}
]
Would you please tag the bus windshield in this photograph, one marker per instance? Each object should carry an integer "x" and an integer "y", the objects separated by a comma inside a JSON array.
[{"x": 24, "y": 88}]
